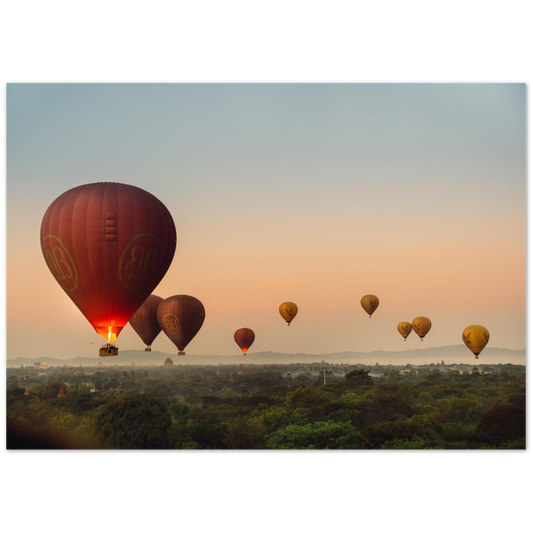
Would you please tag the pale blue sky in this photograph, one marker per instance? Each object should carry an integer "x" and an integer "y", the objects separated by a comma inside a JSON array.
[{"x": 338, "y": 183}]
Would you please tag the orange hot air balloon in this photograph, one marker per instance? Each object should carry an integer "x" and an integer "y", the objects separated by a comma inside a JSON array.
[
  {"x": 370, "y": 303},
  {"x": 144, "y": 321},
  {"x": 181, "y": 318},
  {"x": 244, "y": 338},
  {"x": 421, "y": 325},
  {"x": 405, "y": 329},
  {"x": 476, "y": 338},
  {"x": 108, "y": 245},
  {"x": 288, "y": 310}
]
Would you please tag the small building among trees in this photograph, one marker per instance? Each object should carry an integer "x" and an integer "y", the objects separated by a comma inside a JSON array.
[{"x": 168, "y": 362}]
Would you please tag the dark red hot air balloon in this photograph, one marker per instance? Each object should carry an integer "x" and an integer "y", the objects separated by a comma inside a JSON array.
[
  {"x": 108, "y": 245},
  {"x": 244, "y": 338},
  {"x": 181, "y": 317},
  {"x": 144, "y": 321}
]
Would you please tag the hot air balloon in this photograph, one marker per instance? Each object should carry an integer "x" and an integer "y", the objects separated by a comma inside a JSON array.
[
  {"x": 421, "y": 325},
  {"x": 181, "y": 318},
  {"x": 144, "y": 321},
  {"x": 108, "y": 245},
  {"x": 370, "y": 303},
  {"x": 405, "y": 329},
  {"x": 476, "y": 338},
  {"x": 244, "y": 338},
  {"x": 288, "y": 310}
]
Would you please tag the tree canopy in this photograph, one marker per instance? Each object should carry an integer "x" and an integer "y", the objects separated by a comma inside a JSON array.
[{"x": 268, "y": 407}]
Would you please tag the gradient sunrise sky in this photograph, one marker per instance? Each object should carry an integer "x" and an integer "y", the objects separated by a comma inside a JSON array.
[{"x": 316, "y": 194}]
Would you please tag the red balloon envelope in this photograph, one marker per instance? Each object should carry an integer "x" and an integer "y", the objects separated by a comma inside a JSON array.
[
  {"x": 108, "y": 245},
  {"x": 181, "y": 317},
  {"x": 244, "y": 338},
  {"x": 144, "y": 321}
]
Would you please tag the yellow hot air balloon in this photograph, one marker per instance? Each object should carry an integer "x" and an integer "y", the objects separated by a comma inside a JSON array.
[
  {"x": 405, "y": 329},
  {"x": 370, "y": 303},
  {"x": 288, "y": 310},
  {"x": 476, "y": 338},
  {"x": 421, "y": 325}
]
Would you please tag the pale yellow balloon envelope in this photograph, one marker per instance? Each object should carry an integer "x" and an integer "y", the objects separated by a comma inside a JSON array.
[
  {"x": 370, "y": 303},
  {"x": 421, "y": 325},
  {"x": 288, "y": 310},
  {"x": 405, "y": 329},
  {"x": 476, "y": 338}
]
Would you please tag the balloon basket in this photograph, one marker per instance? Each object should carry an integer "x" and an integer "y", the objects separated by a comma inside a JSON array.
[
  {"x": 108, "y": 350},
  {"x": 148, "y": 349},
  {"x": 181, "y": 353}
]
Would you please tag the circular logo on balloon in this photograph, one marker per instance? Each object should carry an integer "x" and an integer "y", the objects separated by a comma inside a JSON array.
[
  {"x": 140, "y": 260},
  {"x": 199, "y": 320},
  {"x": 171, "y": 323},
  {"x": 60, "y": 262}
]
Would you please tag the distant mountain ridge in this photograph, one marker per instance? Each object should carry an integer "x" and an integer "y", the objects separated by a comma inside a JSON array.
[{"x": 420, "y": 356}]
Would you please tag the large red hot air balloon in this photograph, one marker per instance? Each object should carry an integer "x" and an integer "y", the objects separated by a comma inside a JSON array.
[
  {"x": 144, "y": 321},
  {"x": 244, "y": 338},
  {"x": 108, "y": 245},
  {"x": 181, "y": 317}
]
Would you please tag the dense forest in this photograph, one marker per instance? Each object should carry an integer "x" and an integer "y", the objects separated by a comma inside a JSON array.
[{"x": 267, "y": 407}]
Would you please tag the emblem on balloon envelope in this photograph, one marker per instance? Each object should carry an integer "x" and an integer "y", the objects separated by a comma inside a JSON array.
[
  {"x": 171, "y": 323},
  {"x": 60, "y": 263},
  {"x": 140, "y": 259}
]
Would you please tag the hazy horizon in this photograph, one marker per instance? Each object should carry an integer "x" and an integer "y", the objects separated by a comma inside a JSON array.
[
  {"x": 311, "y": 193},
  {"x": 250, "y": 353},
  {"x": 417, "y": 356}
]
